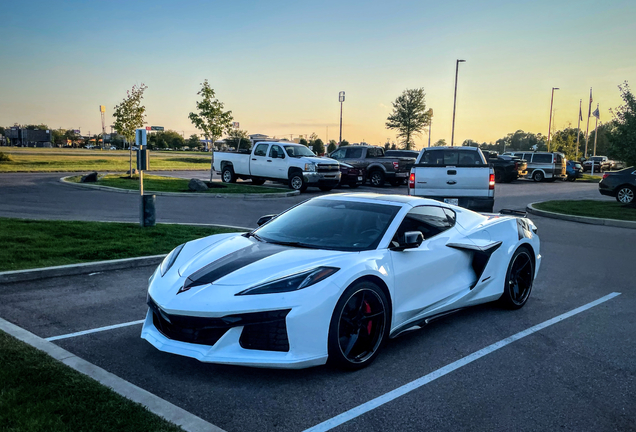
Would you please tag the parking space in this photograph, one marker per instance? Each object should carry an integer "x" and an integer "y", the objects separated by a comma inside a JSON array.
[{"x": 577, "y": 374}]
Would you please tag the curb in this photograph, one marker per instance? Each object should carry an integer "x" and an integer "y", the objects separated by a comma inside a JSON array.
[
  {"x": 581, "y": 219},
  {"x": 76, "y": 269},
  {"x": 151, "y": 402},
  {"x": 180, "y": 194}
]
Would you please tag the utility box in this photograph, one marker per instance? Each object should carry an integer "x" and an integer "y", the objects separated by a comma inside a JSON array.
[{"x": 143, "y": 159}]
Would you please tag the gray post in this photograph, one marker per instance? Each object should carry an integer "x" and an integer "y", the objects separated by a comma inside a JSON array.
[{"x": 455, "y": 99}]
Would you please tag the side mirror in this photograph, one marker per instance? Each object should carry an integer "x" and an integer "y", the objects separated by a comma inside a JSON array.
[
  {"x": 412, "y": 240},
  {"x": 281, "y": 156},
  {"x": 264, "y": 219}
]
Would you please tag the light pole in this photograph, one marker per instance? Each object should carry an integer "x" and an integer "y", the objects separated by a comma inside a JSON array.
[
  {"x": 550, "y": 122},
  {"x": 455, "y": 99},
  {"x": 341, "y": 98},
  {"x": 430, "y": 122}
]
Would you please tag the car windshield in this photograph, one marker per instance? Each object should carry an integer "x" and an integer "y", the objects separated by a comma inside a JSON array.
[
  {"x": 298, "y": 151},
  {"x": 330, "y": 224}
]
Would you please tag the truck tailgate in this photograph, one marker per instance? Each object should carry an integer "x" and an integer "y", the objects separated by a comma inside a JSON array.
[{"x": 452, "y": 181}]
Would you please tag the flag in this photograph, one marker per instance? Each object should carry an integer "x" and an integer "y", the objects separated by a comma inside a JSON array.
[
  {"x": 580, "y": 113},
  {"x": 596, "y": 113},
  {"x": 589, "y": 110}
]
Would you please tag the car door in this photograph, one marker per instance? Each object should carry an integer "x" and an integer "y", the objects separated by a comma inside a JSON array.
[
  {"x": 432, "y": 273},
  {"x": 258, "y": 161},
  {"x": 276, "y": 165},
  {"x": 353, "y": 156}
]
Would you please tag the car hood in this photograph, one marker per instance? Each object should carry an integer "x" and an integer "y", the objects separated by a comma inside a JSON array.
[{"x": 320, "y": 160}]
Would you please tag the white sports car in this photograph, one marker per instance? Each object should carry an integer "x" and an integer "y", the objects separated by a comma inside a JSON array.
[{"x": 331, "y": 279}]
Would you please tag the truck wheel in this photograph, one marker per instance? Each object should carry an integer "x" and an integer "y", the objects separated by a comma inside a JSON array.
[
  {"x": 297, "y": 182},
  {"x": 258, "y": 181},
  {"x": 538, "y": 176},
  {"x": 377, "y": 178},
  {"x": 228, "y": 175}
]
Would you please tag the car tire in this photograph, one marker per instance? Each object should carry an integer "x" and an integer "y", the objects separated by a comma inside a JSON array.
[
  {"x": 571, "y": 178},
  {"x": 499, "y": 177},
  {"x": 359, "y": 326},
  {"x": 227, "y": 175},
  {"x": 519, "y": 279},
  {"x": 297, "y": 182},
  {"x": 377, "y": 179},
  {"x": 325, "y": 188},
  {"x": 625, "y": 195},
  {"x": 258, "y": 181},
  {"x": 538, "y": 176}
]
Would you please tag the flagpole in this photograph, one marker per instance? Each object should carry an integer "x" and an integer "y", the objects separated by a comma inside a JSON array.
[
  {"x": 589, "y": 112},
  {"x": 595, "y": 132},
  {"x": 578, "y": 130}
]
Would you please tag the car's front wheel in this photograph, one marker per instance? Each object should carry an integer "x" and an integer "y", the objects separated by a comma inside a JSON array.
[
  {"x": 359, "y": 326},
  {"x": 519, "y": 279},
  {"x": 625, "y": 195},
  {"x": 297, "y": 182}
]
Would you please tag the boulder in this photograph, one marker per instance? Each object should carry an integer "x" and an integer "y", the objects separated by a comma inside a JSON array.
[
  {"x": 89, "y": 178},
  {"x": 197, "y": 185},
  {"x": 134, "y": 171}
]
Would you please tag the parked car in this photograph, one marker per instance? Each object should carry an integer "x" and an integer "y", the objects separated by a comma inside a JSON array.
[
  {"x": 379, "y": 168},
  {"x": 573, "y": 170},
  {"x": 332, "y": 279},
  {"x": 620, "y": 184},
  {"x": 543, "y": 165},
  {"x": 402, "y": 153},
  {"x": 457, "y": 175},
  {"x": 601, "y": 163},
  {"x": 351, "y": 176},
  {"x": 112, "y": 148},
  {"x": 284, "y": 162},
  {"x": 507, "y": 168}
]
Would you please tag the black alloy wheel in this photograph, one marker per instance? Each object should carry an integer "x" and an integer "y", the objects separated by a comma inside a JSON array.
[
  {"x": 625, "y": 195},
  {"x": 519, "y": 279},
  {"x": 228, "y": 175},
  {"x": 359, "y": 326},
  {"x": 377, "y": 178}
]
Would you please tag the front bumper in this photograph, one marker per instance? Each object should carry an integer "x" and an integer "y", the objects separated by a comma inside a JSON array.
[{"x": 331, "y": 178}]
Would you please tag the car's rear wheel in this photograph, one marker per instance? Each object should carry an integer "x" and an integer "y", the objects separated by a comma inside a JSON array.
[
  {"x": 538, "y": 176},
  {"x": 228, "y": 175},
  {"x": 359, "y": 326},
  {"x": 377, "y": 178},
  {"x": 519, "y": 279},
  {"x": 625, "y": 195}
]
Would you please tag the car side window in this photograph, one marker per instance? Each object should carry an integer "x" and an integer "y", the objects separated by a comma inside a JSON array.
[
  {"x": 354, "y": 153},
  {"x": 276, "y": 152},
  {"x": 338, "y": 154},
  {"x": 429, "y": 220},
  {"x": 261, "y": 150},
  {"x": 542, "y": 158}
]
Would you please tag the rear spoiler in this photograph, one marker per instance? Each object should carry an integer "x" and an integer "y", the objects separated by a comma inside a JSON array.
[{"x": 509, "y": 212}]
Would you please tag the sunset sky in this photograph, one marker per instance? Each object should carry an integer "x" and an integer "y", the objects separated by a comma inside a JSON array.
[{"x": 279, "y": 65}]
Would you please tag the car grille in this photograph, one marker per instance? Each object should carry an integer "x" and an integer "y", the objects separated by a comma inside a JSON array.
[
  {"x": 261, "y": 330},
  {"x": 327, "y": 167}
]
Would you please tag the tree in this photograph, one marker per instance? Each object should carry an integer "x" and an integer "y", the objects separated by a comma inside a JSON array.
[
  {"x": 319, "y": 147},
  {"x": 564, "y": 141},
  {"x": 211, "y": 120},
  {"x": 239, "y": 139},
  {"x": 193, "y": 142},
  {"x": 623, "y": 138},
  {"x": 333, "y": 145},
  {"x": 603, "y": 144},
  {"x": 470, "y": 143},
  {"x": 409, "y": 116},
  {"x": 303, "y": 141},
  {"x": 344, "y": 143},
  {"x": 440, "y": 143},
  {"x": 130, "y": 115}
]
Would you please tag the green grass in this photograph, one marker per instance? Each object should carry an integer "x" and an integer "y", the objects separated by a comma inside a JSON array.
[
  {"x": 587, "y": 178},
  {"x": 38, "y": 393},
  {"x": 72, "y": 160},
  {"x": 590, "y": 208},
  {"x": 41, "y": 243},
  {"x": 154, "y": 183}
]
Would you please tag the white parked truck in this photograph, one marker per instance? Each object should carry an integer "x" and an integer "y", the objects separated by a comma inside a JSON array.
[
  {"x": 285, "y": 162},
  {"x": 455, "y": 175}
]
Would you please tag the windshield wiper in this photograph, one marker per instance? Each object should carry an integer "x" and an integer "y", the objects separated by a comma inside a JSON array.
[
  {"x": 295, "y": 244},
  {"x": 256, "y": 236}
]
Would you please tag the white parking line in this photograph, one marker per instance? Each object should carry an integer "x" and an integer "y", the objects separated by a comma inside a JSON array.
[
  {"x": 100, "y": 329},
  {"x": 401, "y": 391}
]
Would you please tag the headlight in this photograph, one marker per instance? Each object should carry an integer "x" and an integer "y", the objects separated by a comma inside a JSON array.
[
  {"x": 310, "y": 167},
  {"x": 292, "y": 282},
  {"x": 170, "y": 259}
]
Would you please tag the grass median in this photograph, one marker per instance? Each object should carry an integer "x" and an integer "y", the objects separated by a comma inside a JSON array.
[
  {"x": 42, "y": 243},
  {"x": 155, "y": 183},
  {"x": 590, "y": 208},
  {"x": 38, "y": 393}
]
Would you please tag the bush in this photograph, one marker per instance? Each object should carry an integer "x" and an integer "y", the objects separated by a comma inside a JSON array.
[{"x": 5, "y": 157}]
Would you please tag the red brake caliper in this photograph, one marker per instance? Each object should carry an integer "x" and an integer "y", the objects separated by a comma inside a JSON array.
[{"x": 367, "y": 309}]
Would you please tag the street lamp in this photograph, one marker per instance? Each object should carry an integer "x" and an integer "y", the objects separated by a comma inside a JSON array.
[
  {"x": 550, "y": 122},
  {"x": 455, "y": 99},
  {"x": 341, "y": 98}
]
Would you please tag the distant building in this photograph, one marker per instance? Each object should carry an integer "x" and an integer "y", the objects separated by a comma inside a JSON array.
[
  {"x": 28, "y": 138},
  {"x": 259, "y": 137}
]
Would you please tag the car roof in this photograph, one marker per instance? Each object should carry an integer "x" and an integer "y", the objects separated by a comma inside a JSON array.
[
  {"x": 462, "y": 148},
  {"x": 392, "y": 199},
  {"x": 280, "y": 143}
]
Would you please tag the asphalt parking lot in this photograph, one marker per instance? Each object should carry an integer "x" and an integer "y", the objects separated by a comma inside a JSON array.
[{"x": 578, "y": 374}]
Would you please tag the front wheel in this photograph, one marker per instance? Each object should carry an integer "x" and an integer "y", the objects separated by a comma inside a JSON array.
[
  {"x": 625, "y": 195},
  {"x": 519, "y": 279},
  {"x": 297, "y": 182},
  {"x": 359, "y": 326}
]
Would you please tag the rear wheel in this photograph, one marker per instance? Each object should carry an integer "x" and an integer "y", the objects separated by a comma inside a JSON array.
[
  {"x": 359, "y": 326},
  {"x": 538, "y": 176},
  {"x": 625, "y": 195},
  {"x": 519, "y": 279},
  {"x": 377, "y": 178},
  {"x": 228, "y": 175}
]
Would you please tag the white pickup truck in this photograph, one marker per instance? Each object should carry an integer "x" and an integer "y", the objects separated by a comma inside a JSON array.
[
  {"x": 286, "y": 162},
  {"x": 455, "y": 175}
]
